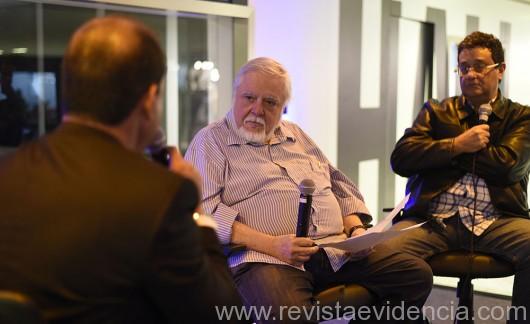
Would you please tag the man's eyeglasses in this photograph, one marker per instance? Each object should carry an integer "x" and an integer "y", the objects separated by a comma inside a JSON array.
[{"x": 479, "y": 68}]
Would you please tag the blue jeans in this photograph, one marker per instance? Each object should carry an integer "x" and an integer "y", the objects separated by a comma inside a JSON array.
[{"x": 392, "y": 276}]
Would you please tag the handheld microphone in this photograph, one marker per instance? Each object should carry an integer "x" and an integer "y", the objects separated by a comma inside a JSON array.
[
  {"x": 158, "y": 150},
  {"x": 307, "y": 187},
  {"x": 484, "y": 112}
]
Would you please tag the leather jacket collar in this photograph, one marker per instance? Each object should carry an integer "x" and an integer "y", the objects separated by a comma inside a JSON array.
[{"x": 465, "y": 108}]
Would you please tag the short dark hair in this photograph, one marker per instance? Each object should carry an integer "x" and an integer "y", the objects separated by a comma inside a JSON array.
[
  {"x": 480, "y": 39},
  {"x": 108, "y": 66}
]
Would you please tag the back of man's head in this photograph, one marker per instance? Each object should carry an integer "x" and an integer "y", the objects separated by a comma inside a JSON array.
[{"x": 108, "y": 66}]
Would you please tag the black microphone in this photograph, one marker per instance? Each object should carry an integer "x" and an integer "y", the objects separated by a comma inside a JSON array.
[
  {"x": 158, "y": 150},
  {"x": 484, "y": 112},
  {"x": 307, "y": 186}
]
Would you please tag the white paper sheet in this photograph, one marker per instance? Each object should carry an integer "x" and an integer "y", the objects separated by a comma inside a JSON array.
[{"x": 374, "y": 235}]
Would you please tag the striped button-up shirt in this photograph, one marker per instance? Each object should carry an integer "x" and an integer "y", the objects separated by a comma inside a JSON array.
[
  {"x": 257, "y": 185},
  {"x": 461, "y": 198}
]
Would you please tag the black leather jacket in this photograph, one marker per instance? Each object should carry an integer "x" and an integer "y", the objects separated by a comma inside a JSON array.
[{"x": 424, "y": 154}]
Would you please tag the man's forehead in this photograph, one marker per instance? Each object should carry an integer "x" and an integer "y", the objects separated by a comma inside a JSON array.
[
  {"x": 475, "y": 54},
  {"x": 258, "y": 90}
]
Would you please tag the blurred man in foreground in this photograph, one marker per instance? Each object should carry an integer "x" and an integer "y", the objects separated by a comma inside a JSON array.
[{"x": 92, "y": 231}]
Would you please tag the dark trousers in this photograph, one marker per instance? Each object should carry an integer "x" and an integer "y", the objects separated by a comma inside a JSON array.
[{"x": 395, "y": 278}]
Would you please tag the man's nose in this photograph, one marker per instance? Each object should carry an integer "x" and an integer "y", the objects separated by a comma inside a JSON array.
[
  {"x": 257, "y": 107},
  {"x": 471, "y": 74}
]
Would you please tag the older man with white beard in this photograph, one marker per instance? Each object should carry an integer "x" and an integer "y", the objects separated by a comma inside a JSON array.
[{"x": 252, "y": 163}]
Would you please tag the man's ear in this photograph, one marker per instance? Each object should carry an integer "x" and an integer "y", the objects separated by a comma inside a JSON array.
[
  {"x": 501, "y": 69},
  {"x": 148, "y": 103}
]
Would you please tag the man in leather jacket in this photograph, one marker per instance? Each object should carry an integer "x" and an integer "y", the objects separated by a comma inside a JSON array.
[{"x": 470, "y": 177}]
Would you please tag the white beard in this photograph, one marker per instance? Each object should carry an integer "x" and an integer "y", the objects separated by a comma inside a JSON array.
[{"x": 260, "y": 137}]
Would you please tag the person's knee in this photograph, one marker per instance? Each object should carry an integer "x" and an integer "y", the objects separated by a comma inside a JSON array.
[
  {"x": 424, "y": 274},
  {"x": 420, "y": 276},
  {"x": 275, "y": 286},
  {"x": 415, "y": 276}
]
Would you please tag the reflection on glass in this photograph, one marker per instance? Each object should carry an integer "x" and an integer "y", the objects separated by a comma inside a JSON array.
[
  {"x": 157, "y": 23},
  {"x": 200, "y": 50},
  {"x": 16, "y": 89},
  {"x": 206, "y": 58},
  {"x": 17, "y": 60},
  {"x": 59, "y": 23},
  {"x": 193, "y": 77}
]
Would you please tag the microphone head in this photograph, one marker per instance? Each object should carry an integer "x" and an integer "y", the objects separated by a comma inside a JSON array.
[
  {"x": 307, "y": 187},
  {"x": 158, "y": 151},
  {"x": 159, "y": 142},
  {"x": 484, "y": 112}
]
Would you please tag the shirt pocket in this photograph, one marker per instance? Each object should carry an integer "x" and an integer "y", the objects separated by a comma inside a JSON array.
[{"x": 320, "y": 175}]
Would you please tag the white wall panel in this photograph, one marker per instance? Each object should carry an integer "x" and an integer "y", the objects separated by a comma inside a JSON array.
[
  {"x": 371, "y": 55},
  {"x": 303, "y": 35},
  {"x": 369, "y": 184}
]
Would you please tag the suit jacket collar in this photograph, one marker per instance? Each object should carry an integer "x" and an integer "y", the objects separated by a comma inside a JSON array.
[{"x": 84, "y": 130}]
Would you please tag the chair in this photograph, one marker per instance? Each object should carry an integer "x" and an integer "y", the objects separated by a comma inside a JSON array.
[
  {"x": 353, "y": 295},
  {"x": 466, "y": 266},
  {"x": 15, "y": 308}
]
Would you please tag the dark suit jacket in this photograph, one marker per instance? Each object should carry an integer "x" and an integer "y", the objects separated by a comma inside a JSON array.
[
  {"x": 424, "y": 154},
  {"x": 94, "y": 233}
]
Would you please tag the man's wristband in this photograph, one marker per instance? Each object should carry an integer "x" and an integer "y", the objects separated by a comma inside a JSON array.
[{"x": 356, "y": 227}]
